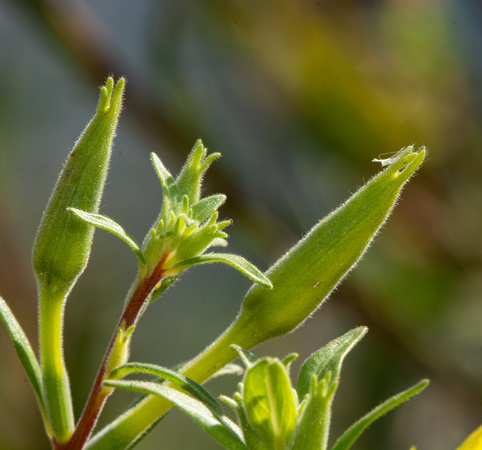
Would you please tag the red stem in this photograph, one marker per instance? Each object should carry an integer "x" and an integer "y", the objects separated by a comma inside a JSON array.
[{"x": 97, "y": 398}]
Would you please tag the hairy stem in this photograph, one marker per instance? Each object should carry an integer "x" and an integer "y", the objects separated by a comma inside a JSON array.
[{"x": 99, "y": 394}]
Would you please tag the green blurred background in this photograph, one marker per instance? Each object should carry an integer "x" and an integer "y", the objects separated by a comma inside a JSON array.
[{"x": 299, "y": 97}]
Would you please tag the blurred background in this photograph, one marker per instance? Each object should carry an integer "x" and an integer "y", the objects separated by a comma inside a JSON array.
[{"x": 299, "y": 97}]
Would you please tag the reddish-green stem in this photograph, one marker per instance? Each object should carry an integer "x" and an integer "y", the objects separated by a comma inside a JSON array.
[{"x": 98, "y": 395}]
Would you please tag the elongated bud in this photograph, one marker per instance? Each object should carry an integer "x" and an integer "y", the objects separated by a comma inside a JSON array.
[
  {"x": 62, "y": 245},
  {"x": 62, "y": 248},
  {"x": 307, "y": 274}
]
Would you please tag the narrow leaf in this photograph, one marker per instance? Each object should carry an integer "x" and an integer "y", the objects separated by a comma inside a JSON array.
[
  {"x": 238, "y": 262},
  {"x": 182, "y": 381},
  {"x": 110, "y": 225},
  {"x": 347, "y": 439},
  {"x": 269, "y": 402},
  {"x": 249, "y": 359},
  {"x": 327, "y": 359},
  {"x": 172, "y": 200},
  {"x": 219, "y": 427},
  {"x": 26, "y": 355}
]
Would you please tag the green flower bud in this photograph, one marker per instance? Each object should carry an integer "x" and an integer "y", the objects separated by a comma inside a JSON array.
[
  {"x": 62, "y": 245},
  {"x": 62, "y": 248}
]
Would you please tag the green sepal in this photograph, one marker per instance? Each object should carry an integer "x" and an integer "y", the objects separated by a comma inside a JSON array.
[
  {"x": 346, "y": 440},
  {"x": 269, "y": 402},
  {"x": 110, "y": 225},
  {"x": 314, "y": 422},
  {"x": 195, "y": 389},
  {"x": 328, "y": 359},
  {"x": 27, "y": 357},
  {"x": 236, "y": 261},
  {"x": 218, "y": 426}
]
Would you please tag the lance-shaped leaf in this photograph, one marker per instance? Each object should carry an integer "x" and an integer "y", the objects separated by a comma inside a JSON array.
[
  {"x": 249, "y": 359},
  {"x": 26, "y": 356},
  {"x": 218, "y": 426},
  {"x": 195, "y": 389},
  {"x": 110, "y": 225},
  {"x": 236, "y": 261},
  {"x": 347, "y": 439},
  {"x": 327, "y": 359},
  {"x": 171, "y": 198},
  {"x": 269, "y": 402}
]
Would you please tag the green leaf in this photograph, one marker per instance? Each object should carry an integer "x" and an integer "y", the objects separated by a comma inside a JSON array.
[
  {"x": 249, "y": 359},
  {"x": 347, "y": 439},
  {"x": 327, "y": 359},
  {"x": 182, "y": 381},
  {"x": 26, "y": 356},
  {"x": 110, "y": 225},
  {"x": 171, "y": 198},
  {"x": 229, "y": 369},
  {"x": 314, "y": 423},
  {"x": 219, "y": 427},
  {"x": 269, "y": 402},
  {"x": 238, "y": 262}
]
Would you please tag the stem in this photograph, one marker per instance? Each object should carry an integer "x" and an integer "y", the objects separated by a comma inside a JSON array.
[
  {"x": 99, "y": 394},
  {"x": 126, "y": 428},
  {"x": 54, "y": 373}
]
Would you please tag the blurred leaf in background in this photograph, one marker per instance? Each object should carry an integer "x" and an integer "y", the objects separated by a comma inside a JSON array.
[{"x": 298, "y": 97}]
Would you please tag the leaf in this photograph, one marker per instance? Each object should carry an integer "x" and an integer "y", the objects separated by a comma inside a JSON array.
[
  {"x": 26, "y": 355},
  {"x": 238, "y": 262},
  {"x": 182, "y": 381},
  {"x": 249, "y": 359},
  {"x": 229, "y": 369},
  {"x": 327, "y": 359},
  {"x": 269, "y": 402},
  {"x": 473, "y": 442},
  {"x": 347, "y": 439},
  {"x": 171, "y": 198},
  {"x": 110, "y": 225},
  {"x": 219, "y": 427}
]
